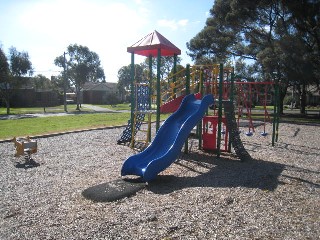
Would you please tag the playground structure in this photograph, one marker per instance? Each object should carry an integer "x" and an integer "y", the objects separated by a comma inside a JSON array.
[
  {"x": 25, "y": 147},
  {"x": 189, "y": 88}
]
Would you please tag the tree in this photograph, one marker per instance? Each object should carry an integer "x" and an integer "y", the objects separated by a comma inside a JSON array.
[
  {"x": 124, "y": 78},
  {"x": 82, "y": 66},
  {"x": 142, "y": 73},
  {"x": 264, "y": 32},
  {"x": 4, "y": 75},
  {"x": 305, "y": 17},
  {"x": 166, "y": 66},
  {"x": 249, "y": 72},
  {"x": 41, "y": 82},
  {"x": 11, "y": 73}
]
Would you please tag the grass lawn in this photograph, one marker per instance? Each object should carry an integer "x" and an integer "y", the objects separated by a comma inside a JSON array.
[
  {"x": 43, "y": 125},
  {"x": 85, "y": 119},
  {"x": 57, "y": 109},
  {"x": 122, "y": 106},
  {"x": 269, "y": 108}
]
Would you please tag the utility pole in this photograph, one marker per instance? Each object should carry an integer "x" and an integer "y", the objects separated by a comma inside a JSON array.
[{"x": 64, "y": 83}]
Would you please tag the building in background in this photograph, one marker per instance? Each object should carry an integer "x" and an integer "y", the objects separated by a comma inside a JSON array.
[{"x": 100, "y": 93}]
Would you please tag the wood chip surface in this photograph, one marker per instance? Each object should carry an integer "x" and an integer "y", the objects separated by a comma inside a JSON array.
[{"x": 275, "y": 196}]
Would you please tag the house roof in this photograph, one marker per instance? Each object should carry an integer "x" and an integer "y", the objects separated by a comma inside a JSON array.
[{"x": 149, "y": 45}]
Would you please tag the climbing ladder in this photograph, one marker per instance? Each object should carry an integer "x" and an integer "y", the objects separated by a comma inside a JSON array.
[
  {"x": 142, "y": 106},
  {"x": 142, "y": 138}
]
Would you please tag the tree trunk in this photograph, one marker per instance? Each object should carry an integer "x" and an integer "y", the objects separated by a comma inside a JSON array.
[
  {"x": 303, "y": 96},
  {"x": 8, "y": 106},
  {"x": 281, "y": 99},
  {"x": 282, "y": 94},
  {"x": 78, "y": 99}
]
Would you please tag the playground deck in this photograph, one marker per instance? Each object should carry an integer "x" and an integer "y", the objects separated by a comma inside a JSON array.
[{"x": 276, "y": 195}]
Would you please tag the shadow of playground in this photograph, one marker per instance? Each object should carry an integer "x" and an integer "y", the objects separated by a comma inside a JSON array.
[{"x": 223, "y": 173}]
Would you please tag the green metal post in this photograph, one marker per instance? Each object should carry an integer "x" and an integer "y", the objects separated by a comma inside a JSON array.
[
  {"x": 132, "y": 93},
  {"x": 278, "y": 112},
  {"x": 64, "y": 83},
  {"x": 275, "y": 110},
  {"x": 158, "y": 89},
  {"x": 150, "y": 81},
  {"x": 187, "y": 92},
  {"x": 188, "y": 79},
  {"x": 220, "y": 110},
  {"x": 175, "y": 57},
  {"x": 150, "y": 91},
  {"x": 199, "y": 127},
  {"x": 231, "y": 99},
  {"x": 274, "y": 117}
]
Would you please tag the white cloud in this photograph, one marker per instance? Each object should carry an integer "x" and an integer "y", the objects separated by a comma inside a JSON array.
[
  {"x": 172, "y": 24},
  {"x": 183, "y": 22},
  {"x": 106, "y": 28}
]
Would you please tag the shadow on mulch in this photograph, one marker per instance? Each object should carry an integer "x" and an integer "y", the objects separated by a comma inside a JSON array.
[
  {"x": 114, "y": 190},
  {"x": 223, "y": 173},
  {"x": 28, "y": 164}
]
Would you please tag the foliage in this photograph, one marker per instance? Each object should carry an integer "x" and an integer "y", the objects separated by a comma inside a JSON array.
[
  {"x": 166, "y": 65},
  {"x": 20, "y": 64},
  {"x": 280, "y": 38},
  {"x": 4, "y": 67},
  {"x": 11, "y": 73},
  {"x": 41, "y": 82},
  {"x": 124, "y": 78},
  {"x": 142, "y": 73},
  {"x": 82, "y": 65}
]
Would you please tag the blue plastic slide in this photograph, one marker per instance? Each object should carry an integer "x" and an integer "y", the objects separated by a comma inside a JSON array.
[{"x": 169, "y": 140}]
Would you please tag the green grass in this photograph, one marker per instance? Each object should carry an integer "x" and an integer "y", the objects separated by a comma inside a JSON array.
[
  {"x": 262, "y": 108},
  {"x": 44, "y": 125},
  {"x": 122, "y": 106},
  {"x": 57, "y": 109},
  {"x": 85, "y": 120},
  {"x": 290, "y": 118}
]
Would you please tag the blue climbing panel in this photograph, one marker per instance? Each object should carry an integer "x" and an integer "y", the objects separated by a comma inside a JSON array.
[{"x": 142, "y": 103}]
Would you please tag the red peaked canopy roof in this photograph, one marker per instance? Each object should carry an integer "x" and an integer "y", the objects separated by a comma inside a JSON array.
[{"x": 150, "y": 44}]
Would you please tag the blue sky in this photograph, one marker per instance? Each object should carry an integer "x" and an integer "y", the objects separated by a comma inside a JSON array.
[{"x": 45, "y": 28}]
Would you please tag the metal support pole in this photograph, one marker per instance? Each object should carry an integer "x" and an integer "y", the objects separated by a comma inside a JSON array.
[
  {"x": 132, "y": 99},
  {"x": 231, "y": 99},
  {"x": 150, "y": 94},
  {"x": 64, "y": 83},
  {"x": 220, "y": 110},
  {"x": 158, "y": 89},
  {"x": 150, "y": 81},
  {"x": 199, "y": 127},
  {"x": 275, "y": 112},
  {"x": 187, "y": 92},
  {"x": 175, "y": 57},
  {"x": 188, "y": 79},
  {"x": 278, "y": 112}
]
